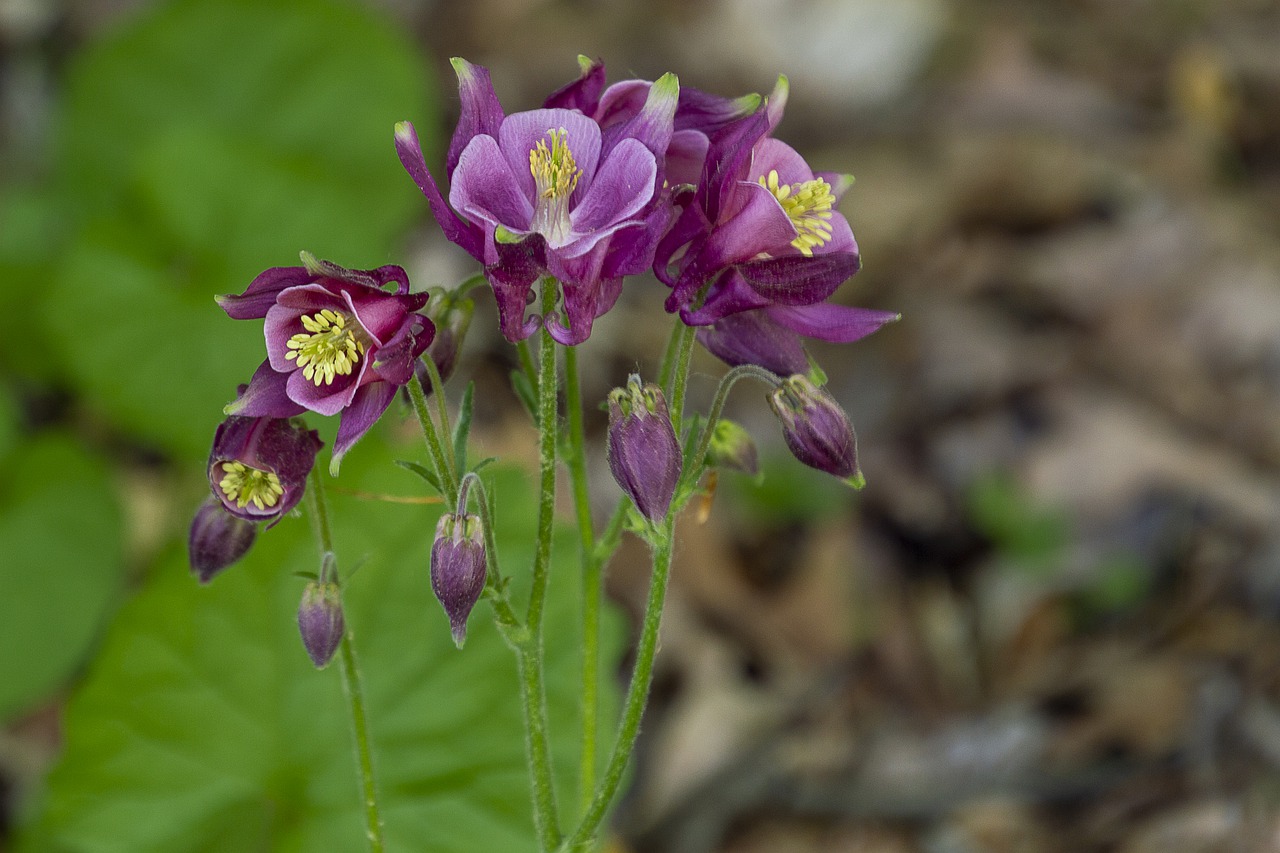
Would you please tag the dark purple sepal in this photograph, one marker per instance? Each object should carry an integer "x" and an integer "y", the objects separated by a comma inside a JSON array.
[
  {"x": 320, "y": 621},
  {"x": 397, "y": 357},
  {"x": 261, "y": 293},
  {"x": 816, "y": 429},
  {"x": 582, "y": 94},
  {"x": 519, "y": 266},
  {"x": 458, "y": 569},
  {"x": 644, "y": 454},
  {"x": 456, "y": 230},
  {"x": 837, "y": 324},
  {"x": 481, "y": 112},
  {"x": 217, "y": 539},
  {"x": 368, "y": 404},
  {"x": 798, "y": 280},
  {"x": 751, "y": 338},
  {"x": 266, "y": 396}
]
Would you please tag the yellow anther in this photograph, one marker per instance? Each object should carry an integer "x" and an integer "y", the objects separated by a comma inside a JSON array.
[
  {"x": 554, "y": 170},
  {"x": 808, "y": 206},
  {"x": 327, "y": 349},
  {"x": 246, "y": 485}
]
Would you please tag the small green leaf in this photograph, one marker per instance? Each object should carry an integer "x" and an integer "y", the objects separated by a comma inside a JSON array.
[
  {"x": 422, "y": 471},
  {"x": 462, "y": 428}
]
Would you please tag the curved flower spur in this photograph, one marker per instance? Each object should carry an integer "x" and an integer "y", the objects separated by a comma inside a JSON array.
[
  {"x": 337, "y": 342},
  {"x": 546, "y": 192}
]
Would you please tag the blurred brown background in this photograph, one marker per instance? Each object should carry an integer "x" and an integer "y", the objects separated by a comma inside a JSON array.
[{"x": 1049, "y": 623}]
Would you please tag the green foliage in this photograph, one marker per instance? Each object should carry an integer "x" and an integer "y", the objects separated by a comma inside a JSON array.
[
  {"x": 200, "y": 145},
  {"x": 203, "y": 727},
  {"x": 61, "y": 570},
  {"x": 1031, "y": 534}
]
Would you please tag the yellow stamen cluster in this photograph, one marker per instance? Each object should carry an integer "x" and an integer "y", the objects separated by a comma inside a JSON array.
[
  {"x": 554, "y": 170},
  {"x": 808, "y": 205},
  {"x": 246, "y": 485},
  {"x": 328, "y": 348}
]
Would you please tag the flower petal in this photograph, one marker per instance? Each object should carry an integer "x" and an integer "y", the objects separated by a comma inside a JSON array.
[
  {"x": 485, "y": 189},
  {"x": 797, "y": 280},
  {"x": 265, "y": 396},
  {"x": 750, "y": 337},
  {"x": 366, "y": 407},
  {"x": 455, "y": 230},
  {"x": 326, "y": 399},
  {"x": 481, "y": 112},
  {"x": 261, "y": 293},
  {"x": 838, "y": 324},
  {"x": 512, "y": 278},
  {"x": 396, "y": 358},
  {"x": 623, "y": 186},
  {"x": 652, "y": 126},
  {"x": 582, "y": 94}
]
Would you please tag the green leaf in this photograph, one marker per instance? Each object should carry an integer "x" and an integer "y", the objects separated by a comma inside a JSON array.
[
  {"x": 203, "y": 726},
  {"x": 462, "y": 428},
  {"x": 62, "y": 567},
  {"x": 422, "y": 471}
]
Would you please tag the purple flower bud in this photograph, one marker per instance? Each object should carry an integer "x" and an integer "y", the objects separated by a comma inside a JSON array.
[
  {"x": 217, "y": 539},
  {"x": 258, "y": 467},
  {"x": 816, "y": 429},
  {"x": 644, "y": 454},
  {"x": 320, "y": 621},
  {"x": 458, "y": 569},
  {"x": 732, "y": 447}
]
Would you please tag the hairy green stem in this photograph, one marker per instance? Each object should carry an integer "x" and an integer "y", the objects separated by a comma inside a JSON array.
[
  {"x": 448, "y": 482},
  {"x": 680, "y": 379},
  {"x": 442, "y": 407},
  {"x": 693, "y": 466},
  {"x": 531, "y": 656},
  {"x": 352, "y": 686},
  {"x": 592, "y": 582}
]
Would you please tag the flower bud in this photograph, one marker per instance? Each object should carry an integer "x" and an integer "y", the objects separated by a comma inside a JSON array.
[
  {"x": 451, "y": 328},
  {"x": 458, "y": 569},
  {"x": 258, "y": 467},
  {"x": 644, "y": 454},
  {"x": 217, "y": 539},
  {"x": 732, "y": 447},
  {"x": 816, "y": 429},
  {"x": 320, "y": 621}
]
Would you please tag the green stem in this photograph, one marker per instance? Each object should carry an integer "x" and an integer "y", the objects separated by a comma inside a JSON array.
[
  {"x": 693, "y": 466},
  {"x": 532, "y": 655},
  {"x": 592, "y": 582},
  {"x": 669, "y": 356},
  {"x": 448, "y": 482},
  {"x": 680, "y": 381},
  {"x": 637, "y": 693},
  {"x": 352, "y": 686},
  {"x": 442, "y": 407}
]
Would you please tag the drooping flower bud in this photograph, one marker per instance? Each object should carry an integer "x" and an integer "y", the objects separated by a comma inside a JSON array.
[
  {"x": 732, "y": 447},
  {"x": 644, "y": 454},
  {"x": 816, "y": 429},
  {"x": 320, "y": 621},
  {"x": 217, "y": 539},
  {"x": 258, "y": 467},
  {"x": 458, "y": 569}
]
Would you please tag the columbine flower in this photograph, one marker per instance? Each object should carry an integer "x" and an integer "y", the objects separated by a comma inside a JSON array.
[
  {"x": 544, "y": 192},
  {"x": 458, "y": 569},
  {"x": 336, "y": 342},
  {"x": 644, "y": 454},
  {"x": 762, "y": 233},
  {"x": 217, "y": 539},
  {"x": 816, "y": 429},
  {"x": 258, "y": 467},
  {"x": 320, "y": 621}
]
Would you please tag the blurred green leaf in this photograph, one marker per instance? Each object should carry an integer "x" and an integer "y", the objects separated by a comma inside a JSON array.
[
  {"x": 62, "y": 567},
  {"x": 203, "y": 726},
  {"x": 1018, "y": 526}
]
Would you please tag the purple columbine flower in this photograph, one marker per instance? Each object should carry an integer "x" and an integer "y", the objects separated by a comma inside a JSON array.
[
  {"x": 644, "y": 454},
  {"x": 336, "y": 342},
  {"x": 458, "y": 569},
  {"x": 545, "y": 192},
  {"x": 761, "y": 233},
  {"x": 320, "y": 621},
  {"x": 217, "y": 539},
  {"x": 816, "y": 429},
  {"x": 258, "y": 467}
]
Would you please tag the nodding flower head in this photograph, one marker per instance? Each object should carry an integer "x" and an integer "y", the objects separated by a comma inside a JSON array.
[
  {"x": 546, "y": 192},
  {"x": 816, "y": 429},
  {"x": 337, "y": 342},
  {"x": 258, "y": 467},
  {"x": 458, "y": 569},
  {"x": 320, "y": 621},
  {"x": 644, "y": 455}
]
